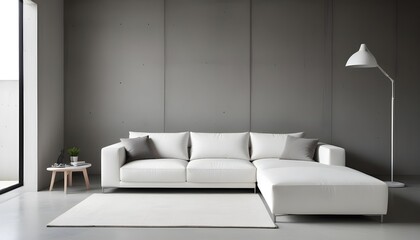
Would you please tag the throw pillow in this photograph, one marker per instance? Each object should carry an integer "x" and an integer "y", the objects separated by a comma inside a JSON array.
[
  {"x": 136, "y": 148},
  {"x": 299, "y": 148}
]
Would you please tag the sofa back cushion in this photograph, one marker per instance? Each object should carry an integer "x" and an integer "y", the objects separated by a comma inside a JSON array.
[
  {"x": 166, "y": 145},
  {"x": 268, "y": 145},
  {"x": 220, "y": 145}
]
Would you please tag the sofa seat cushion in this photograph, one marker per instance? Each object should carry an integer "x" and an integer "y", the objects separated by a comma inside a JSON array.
[
  {"x": 154, "y": 170},
  {"x": 221, "y": 171},
  {"x": 300, "y": 187}
]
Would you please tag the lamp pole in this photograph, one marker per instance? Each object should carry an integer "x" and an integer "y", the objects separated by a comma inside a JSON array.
[
  {"x": 392, "y": 128},
  {"x": 364, "y": 59}
]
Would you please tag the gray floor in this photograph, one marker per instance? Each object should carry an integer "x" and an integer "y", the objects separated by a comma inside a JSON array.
[{"x": 25, "y": 217}]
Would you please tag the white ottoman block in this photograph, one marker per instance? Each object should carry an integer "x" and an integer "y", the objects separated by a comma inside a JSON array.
[{"x": 300, "y": 187}]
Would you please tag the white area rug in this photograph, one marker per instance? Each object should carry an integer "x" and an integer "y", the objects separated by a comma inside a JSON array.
[{"x": 168, "y": 210}]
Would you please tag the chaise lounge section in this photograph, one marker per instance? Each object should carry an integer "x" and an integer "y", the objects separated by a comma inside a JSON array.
[{"x": 297, "y": 187}]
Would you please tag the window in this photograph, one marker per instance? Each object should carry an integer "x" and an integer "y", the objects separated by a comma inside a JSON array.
[{"x": 11, "y": 95}]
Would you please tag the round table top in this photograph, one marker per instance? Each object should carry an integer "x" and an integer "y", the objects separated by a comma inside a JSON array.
[{"x": 69, "y": 168}]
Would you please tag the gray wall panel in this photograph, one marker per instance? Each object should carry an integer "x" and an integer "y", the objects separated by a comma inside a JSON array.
[
  {"x": 180, "y": 65},
  {"x": 207, "y": 65},
  {"x": 291, "y": 83},
  {"x": 50, "y": 86},
  {"x": 114, "y": 72},
  {"x": 407, "y": 140},
  {"x": 361, "y": 97}
]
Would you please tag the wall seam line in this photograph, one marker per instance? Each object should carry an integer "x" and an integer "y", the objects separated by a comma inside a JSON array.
[
  {"x": 164, "y": 65},
  {"x": 331, "y": 19},
  {"x": 250, "y": 65}
]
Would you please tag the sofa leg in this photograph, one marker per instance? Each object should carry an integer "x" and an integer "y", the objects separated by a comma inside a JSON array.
[
  {"x": 103, "y": 190},
  {"x": 255, "y": 189},
  {"x": 382, "y": 218}
]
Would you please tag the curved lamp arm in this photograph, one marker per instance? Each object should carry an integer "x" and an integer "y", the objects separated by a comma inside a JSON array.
[{"x": 392, "y": 80}]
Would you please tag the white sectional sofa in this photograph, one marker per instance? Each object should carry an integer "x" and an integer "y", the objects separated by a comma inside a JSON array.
[{"x": 247, "y": 160}]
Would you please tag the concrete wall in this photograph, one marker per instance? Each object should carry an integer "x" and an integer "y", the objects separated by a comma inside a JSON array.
[
  {"x": 408, "y": 88},
  {"x": 291, "y": 80},
  {"x": 114, "y": 79},
  {"x": 361, "y": 97},
  {"x": 50, "y": 86},
  {"x": 227, "y": 65},
  {"x": 207, "y": 59}
]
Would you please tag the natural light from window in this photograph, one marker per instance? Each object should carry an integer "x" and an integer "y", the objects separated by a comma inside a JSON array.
[
  {"x": 9, "y": 40},
  {"x": 9, "y": 94}
]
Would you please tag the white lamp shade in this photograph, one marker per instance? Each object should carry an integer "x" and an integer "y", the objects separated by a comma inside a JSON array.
[{"x": 362, "y": 59}]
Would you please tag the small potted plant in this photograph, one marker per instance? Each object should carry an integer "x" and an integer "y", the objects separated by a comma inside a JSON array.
[{"x": 74, "y": 154}]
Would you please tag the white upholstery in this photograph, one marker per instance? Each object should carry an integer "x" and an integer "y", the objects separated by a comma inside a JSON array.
[
  {"x": 268, "y": 145},
  {"x": 167, "y": 145},
  {"x": 154, "y": 170},
  {"x": 301, "y": 187},
  {"x": 112, "y": 158},
  {"x": 219, "y": 145},
  {"x": 324, "y": 186},
  {"x": 221, "y": 170},
  {"x": 270, "y": 163},
  {"x": 330, "y": 155}
]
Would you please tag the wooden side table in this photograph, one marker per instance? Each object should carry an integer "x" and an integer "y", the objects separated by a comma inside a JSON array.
[{"x": 68, "y": 175}]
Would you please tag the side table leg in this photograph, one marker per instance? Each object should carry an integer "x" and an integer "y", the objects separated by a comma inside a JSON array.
[
  {"x": 52, "y": 180},
  {"x": 70, "y": 179},
  {"x": 65, "y": 181},
  {"x": 85, "y": 175}
]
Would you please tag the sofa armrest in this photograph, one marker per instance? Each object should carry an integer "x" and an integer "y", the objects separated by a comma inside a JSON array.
[
  {"x": 330, "y": 155},
  {"x": 112, "y": 158}
]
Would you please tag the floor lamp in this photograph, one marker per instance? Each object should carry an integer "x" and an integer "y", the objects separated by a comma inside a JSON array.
[{"x": 364, "y": 59}]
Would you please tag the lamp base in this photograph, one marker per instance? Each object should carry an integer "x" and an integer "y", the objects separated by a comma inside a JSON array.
[{"x": 395, "y": 184}]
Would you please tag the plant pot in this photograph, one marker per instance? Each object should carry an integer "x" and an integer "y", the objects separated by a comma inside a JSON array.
[{"x": 74, "y": 158}]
